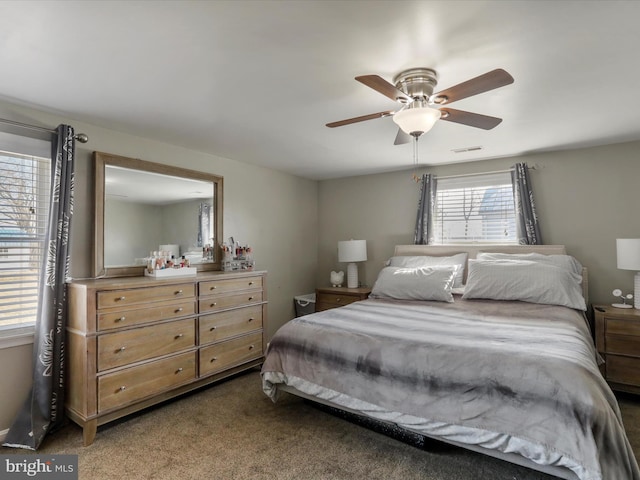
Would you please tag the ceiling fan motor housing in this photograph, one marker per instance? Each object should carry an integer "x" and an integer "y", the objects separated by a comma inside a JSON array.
[{"x": 418, "y": 83}]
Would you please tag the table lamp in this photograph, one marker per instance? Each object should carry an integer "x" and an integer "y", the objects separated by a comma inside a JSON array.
[
  {"x": 628, "y": 250},
  {"x": 351, "y": 251}
]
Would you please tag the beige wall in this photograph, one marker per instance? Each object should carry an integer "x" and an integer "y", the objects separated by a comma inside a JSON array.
[
  {"x": 585, "y": 198},
  {"x": 274, "y": 212}
]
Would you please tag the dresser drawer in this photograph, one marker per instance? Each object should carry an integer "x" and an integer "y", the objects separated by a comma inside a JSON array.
[
  {"x": 118, "y": 389},
  {"x": 624, "y": 370},
  {"x": 224, "y": 355},
  {"x": 211, "y": 304},
  {"x": 132, "y": 296},
  {"x": 121, "y": 348},
  {"x": 230, "y": 323},
  {"x": 152, "y": 313},
  {"x": 215, "y": 287}
]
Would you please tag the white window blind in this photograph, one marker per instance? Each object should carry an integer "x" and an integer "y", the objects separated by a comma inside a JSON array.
[
  {"x": 475, "y": 209},
  {"x": 24, "y": 204}
]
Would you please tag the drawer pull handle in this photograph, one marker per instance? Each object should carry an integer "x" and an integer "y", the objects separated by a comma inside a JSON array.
[
  {"x": 121, "y": 319},
  {"x": 214, "y": 359},
  {"x": 120, "y": 299},
  {"x": 179, "y": 310},
  {"x": 179, "y": 292},
  {"x": 250, "y": 283},
  {"x": 121, "y": 349},
  {"x": 214, "y": 304},
  {"x": 251, "y": 347},
  {"x": 338, "y": 299},
  {"x": 251, "y": 319},
  {"x": 179, "y": 370},
  {"x": 250, "y": 298},
  {"x": 180, "y": 335},
  {"x": 212, "y": 329},
  {"x": 213, "y": 287},
  {"x": 122, "y": 388}
]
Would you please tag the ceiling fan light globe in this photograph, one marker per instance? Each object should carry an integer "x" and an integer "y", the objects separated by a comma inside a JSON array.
[{"x": 416, "y": 121}]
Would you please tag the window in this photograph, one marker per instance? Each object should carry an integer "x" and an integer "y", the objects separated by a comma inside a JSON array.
[
  {"x": 24, "y": 210},
  {"x": 474, "y": 209}
]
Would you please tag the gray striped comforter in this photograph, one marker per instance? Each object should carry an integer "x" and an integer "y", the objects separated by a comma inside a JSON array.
[{"x": 510, "y": 376}]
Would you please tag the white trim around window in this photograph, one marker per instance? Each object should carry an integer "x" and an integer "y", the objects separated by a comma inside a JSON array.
[{"x": 15, "y": 337}]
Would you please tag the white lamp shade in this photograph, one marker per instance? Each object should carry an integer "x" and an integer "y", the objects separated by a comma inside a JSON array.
[
  {"x": 416, "y": 120},
  {"x": 628, "y": 250},
  {"x": 352, "y": 251}
]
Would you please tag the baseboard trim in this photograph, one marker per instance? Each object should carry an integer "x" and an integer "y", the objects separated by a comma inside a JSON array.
[{"x": 3, "y": 434}]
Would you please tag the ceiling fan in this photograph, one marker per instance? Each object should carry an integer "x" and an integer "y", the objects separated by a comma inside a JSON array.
[{"x": 413, "y": 90}]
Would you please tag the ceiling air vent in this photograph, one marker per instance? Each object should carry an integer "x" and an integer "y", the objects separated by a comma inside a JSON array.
[{"x": 467, "y": 149}]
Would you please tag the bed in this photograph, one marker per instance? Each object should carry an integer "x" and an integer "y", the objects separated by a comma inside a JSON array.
[{"x": 484, "y": 347}]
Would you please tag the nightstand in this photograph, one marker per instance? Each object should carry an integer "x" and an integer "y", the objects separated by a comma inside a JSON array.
[
  {"x": 618, "y": 341},
  {"x": 333, "y": 297}
]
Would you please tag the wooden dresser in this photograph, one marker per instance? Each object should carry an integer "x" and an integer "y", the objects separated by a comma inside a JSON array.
[
  {"x": 618, "y": 341},
  {"x": 333, "y": 297},
  {"x": 134, "y": 342}
]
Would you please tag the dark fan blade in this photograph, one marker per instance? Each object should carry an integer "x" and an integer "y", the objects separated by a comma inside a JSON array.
[
  {"x": 360, "y": 119},
  {"x": 379, "y": 84},
  {"x": 467, "y": 118},
  {"x": 402, "y": 137},
  {"x": 489, "y": 81}
]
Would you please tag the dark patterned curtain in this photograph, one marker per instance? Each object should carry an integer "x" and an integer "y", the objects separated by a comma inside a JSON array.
[
  {"x": 527, "y": 227},
  {"x": 44, "y": 408},
  {"x": 423, "y": 234}
]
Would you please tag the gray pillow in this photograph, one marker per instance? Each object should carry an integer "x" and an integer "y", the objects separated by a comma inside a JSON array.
[
  {"x": 416, "y": 261},
  {"x": 423, "y": 283},
  {"x": 524, "y": 280}
]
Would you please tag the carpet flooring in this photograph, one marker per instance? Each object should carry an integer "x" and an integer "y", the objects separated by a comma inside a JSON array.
[{"x": 231, "y": 430}]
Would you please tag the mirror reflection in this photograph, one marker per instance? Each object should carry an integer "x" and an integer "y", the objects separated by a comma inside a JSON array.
[{"x": 147, "y": 212}]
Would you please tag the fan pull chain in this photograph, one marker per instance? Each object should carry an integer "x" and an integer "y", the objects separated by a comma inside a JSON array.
[{"x": 415, "y": 175}]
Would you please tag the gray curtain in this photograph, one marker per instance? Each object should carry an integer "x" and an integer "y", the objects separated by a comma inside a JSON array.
[
  {"x": 423, "y": 234},
  {"x": 527, "y": 227},
  {"x": 44, "y": 407}
]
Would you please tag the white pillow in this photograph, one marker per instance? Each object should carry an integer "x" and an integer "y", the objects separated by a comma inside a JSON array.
[
  {"x": 564, "y": 261},
  {"x": 423, "y": 283},
  {"x": 524, "y": 280},
  {"x": 428, "y": 261}
]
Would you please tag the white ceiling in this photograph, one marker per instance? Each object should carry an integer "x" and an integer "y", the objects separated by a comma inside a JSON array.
[{"x": 256, "y": 81}]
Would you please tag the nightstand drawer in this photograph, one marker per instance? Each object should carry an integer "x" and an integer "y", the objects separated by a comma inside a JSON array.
[
  {"x": 623, "y": 345},
  {"x": 623, "y": 327},
  {"x": 336, "y": 300},
  {"x": 624, "y": 370}
]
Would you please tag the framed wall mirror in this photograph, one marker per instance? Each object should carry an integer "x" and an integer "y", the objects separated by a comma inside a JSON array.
[{"x": 142, "y": 207}]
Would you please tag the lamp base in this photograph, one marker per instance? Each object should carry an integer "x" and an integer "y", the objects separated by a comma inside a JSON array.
[
  {"x": 621, "y": 305},
  {"x": 352, "y": 275}
]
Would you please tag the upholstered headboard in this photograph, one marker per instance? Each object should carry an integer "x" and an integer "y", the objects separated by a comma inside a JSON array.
[{"x": 473, "y": 250}]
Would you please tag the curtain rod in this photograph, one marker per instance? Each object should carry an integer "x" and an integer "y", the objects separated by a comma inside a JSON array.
[
  {"x": 81, "y": 137},
  {"x": 480, "y": 173}
]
